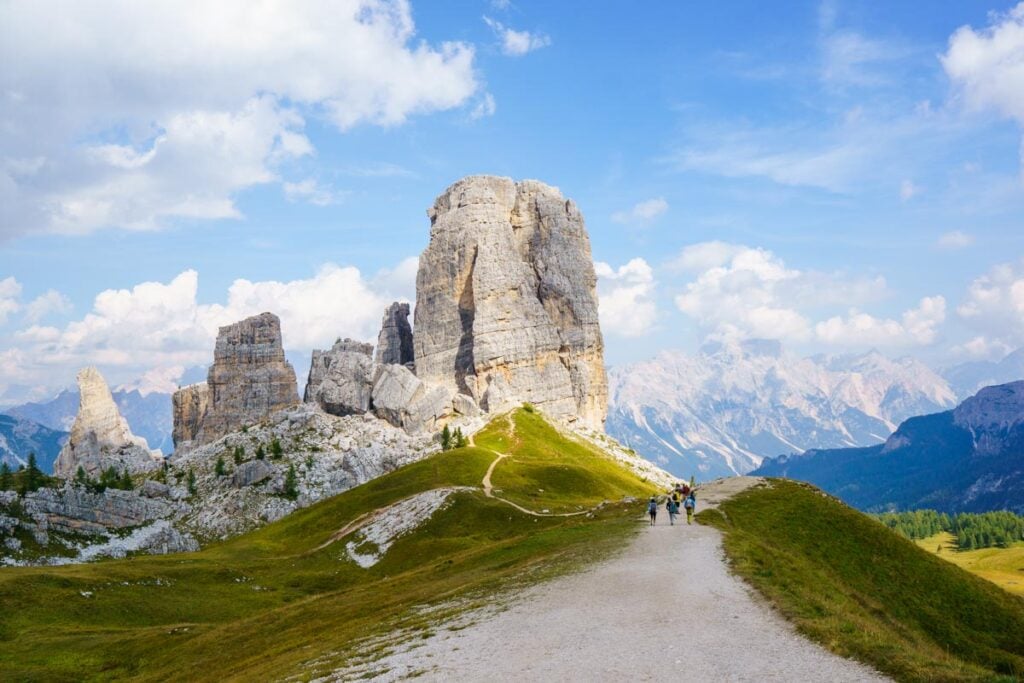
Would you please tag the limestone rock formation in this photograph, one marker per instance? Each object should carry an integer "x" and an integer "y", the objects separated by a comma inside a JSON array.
[
  {"x": 506, "y": 307},
  {"x": 189, "y": 405},
  {"x": 100, "y": 437},
  {"x": 394, "y": 343},
  {"x": 249, "y": 380},
  {"x": 341, "y": 379},
  {"x": 404, "y": 400}
]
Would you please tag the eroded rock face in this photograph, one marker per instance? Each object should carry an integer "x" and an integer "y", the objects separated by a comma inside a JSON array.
[
  {"x": 341, "y": 379},
  {"x": 100, "y": 437},
  {"x": 506, "y": 294},
  {"x": 404, "y": 400},
  {"x": 75, "y": 509},
  {"x": 189, "y": 405},
  {"x": 249, "y": 380},
  {"x": 395, "y": 341}
]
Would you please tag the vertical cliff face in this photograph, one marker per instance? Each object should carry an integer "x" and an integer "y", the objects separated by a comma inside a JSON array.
[
  {"x": 100, "y": 437},
  {"x": 394, "y": 343},
  {"x": 189, "y": 405},
  {"x": 506, "y": 307},
  {"x": 249, "y": 380}
]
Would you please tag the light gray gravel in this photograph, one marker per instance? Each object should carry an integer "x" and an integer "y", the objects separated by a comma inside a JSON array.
[{"x": 666, "y": 608}]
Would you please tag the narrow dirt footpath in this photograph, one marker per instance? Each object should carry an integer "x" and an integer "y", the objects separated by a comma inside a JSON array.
[{"x": 666, "y": 608}]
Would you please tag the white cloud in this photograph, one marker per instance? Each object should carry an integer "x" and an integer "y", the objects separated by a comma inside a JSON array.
[
  {"x": 131, "y": 114},
  {"x": 484, "y": 107},
  {"x": 309, "y": 190},
  {"x": 746, "y": 292},
  {"x": 987, "y": 65},
  {"x": 155, "y": 329},
  {"x": 994, "y": 306},
  {"x": 980, "y": 347},
  {"x": 46, "y": 303},
  {"x": 908, "y": 190},
  {"x": 642, "y": 212},
  {"x": 916, "y": 327},
  {"x": 626, "y": 298},
  {"x": 10, "y": 291},
  {"x": 851, "y": 59},
  {"x": 517, "y": 43},
  {"x": 955, "y": 239}
]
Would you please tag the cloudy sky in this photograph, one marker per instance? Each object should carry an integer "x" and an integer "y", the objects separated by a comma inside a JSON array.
[{"x": 837, "y": 175}]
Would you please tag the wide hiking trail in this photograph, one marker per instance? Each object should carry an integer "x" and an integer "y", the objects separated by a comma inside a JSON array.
[{"x": 665, "y": 608}]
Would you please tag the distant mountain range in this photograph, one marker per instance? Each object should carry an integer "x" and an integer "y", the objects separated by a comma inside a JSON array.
[
  {"x": 721, "y": 411},
  {"x": 149, "y": 416},
  {"x": 19, "y": 437},
  {"x": 970, "y": 459},
  {"x": 967, "y": 378}
]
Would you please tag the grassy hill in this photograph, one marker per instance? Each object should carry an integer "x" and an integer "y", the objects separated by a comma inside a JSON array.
[
  {"x": 1002, "y": 566},
  {"x": 865, "y": 592},
  {"x": 286, "y": 601}
]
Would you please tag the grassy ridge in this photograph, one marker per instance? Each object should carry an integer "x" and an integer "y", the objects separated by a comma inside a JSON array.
[
  {"x": 266, "y": 605},
  {"x": 864, "y": 592}
]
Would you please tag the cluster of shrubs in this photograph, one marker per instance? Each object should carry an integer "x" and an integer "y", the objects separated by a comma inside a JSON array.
[
  {"x": 26, "y": 478},
  {"x": 291, "y": 491},
  {"x": 452, "y": 439},
  {"x": 108, "y": 479},
  {"x": 972, "y": 530}
]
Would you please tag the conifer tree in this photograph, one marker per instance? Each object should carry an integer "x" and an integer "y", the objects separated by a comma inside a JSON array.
[
  {"x": 219, "y": 467},
  {"x": 191, "y": 482},
  {"x": 5, "y": 476},
  {"x": 446, "y": 438},
  {"x": 260, "y": 453},
  {"x": 275, "y": 449},
  {"x": 291, "y": 491}
]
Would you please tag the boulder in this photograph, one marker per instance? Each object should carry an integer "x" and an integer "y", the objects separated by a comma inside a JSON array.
[
  {"x": 100, "y": 437},
  {"x": 405, "y": 401},
  {"x": 507, "y": 288},
  {"x": 394, "y": 343},
  {"x": 341, "y": 379},
  {"x": 251, "y": 473}
]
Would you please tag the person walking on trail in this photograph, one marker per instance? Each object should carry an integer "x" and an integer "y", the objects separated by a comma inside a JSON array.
[
  {"x": 691, "y": 506},
  {"x": 673, "y": 510},
  {"x": 652, "y": 509}
]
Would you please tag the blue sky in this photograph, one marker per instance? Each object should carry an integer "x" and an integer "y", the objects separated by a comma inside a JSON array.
[{"x": 840, "y": 176}]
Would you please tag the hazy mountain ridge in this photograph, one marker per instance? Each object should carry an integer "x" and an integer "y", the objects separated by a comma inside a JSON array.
[
  {"x": 964, "y": 460},
  {"x": 722, "y": 410},
  {"x": 19, "y": 437}
]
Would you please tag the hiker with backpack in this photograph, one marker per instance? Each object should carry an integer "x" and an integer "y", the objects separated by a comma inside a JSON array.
[
  {"x": 691, "y": 506},
  {"x": 652, "y": 509},
  {"x": 673, "y": 510}
]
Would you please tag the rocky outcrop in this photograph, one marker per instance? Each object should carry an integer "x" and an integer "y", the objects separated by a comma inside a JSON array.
[
  {"x": 505, "y": 298},
  {"x": 394, "y": 343},
  {"x": 189, "y": 405},
  {"x": 100, "y": 437},
  {"x": 75, "y": 509},
  {"x": 404, "y": 400},
  {"x": 251, "y": 473},
  {"x": 341, "y": 379},
  {"x": 249, "y": 380}
]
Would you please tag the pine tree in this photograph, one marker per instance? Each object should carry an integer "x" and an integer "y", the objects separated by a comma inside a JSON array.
[
  {"x": 275, "y": 449},
  {"x": 218, "y": 469},
  {"x": 33, "y": 477},
  {"x": 108, "y": 479},
  {"x": 5, "y": 477},
  {"x": 291, "y": 491},
  {"x": 260, "y": 453},
  {"x": 460, "y": 440},
  {"x": 446, "y": 439},
  {"x": 239, "y": 455},
  {"x": 81, "y": 478},
  {"x": 191, "y": 482},
  {"x": 126, "y": 483}
]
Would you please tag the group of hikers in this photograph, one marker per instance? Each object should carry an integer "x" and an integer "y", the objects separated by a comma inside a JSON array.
[{"x": 682, "y": 496}]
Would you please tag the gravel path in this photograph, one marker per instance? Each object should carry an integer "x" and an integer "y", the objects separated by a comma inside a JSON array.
[{"x": 666, "y": 607}]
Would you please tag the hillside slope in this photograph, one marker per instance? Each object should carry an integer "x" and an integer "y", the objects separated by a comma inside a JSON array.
[
  {"x": 298, "y": 596},
  {"x": 865, "y": 592},
  {"x": 964, "y": 460}
]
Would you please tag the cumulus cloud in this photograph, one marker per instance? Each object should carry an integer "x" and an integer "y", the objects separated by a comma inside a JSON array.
[
  {"x": 10, "y": 291},
  {"x": 994, "y": 308},
  {"x": 147, "y": 334},
  {"x": 987, "y": 65},
  {"x": 955, "y": 239},
  {"x": 746, "y": 292},
  {"x": 517, "y": 43},
  {"x": 45, "y": 304},
  {"x": 642, "y": 213},
  {"x": 626, "y": 298},
  {"x": 130, "y": 114}
]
